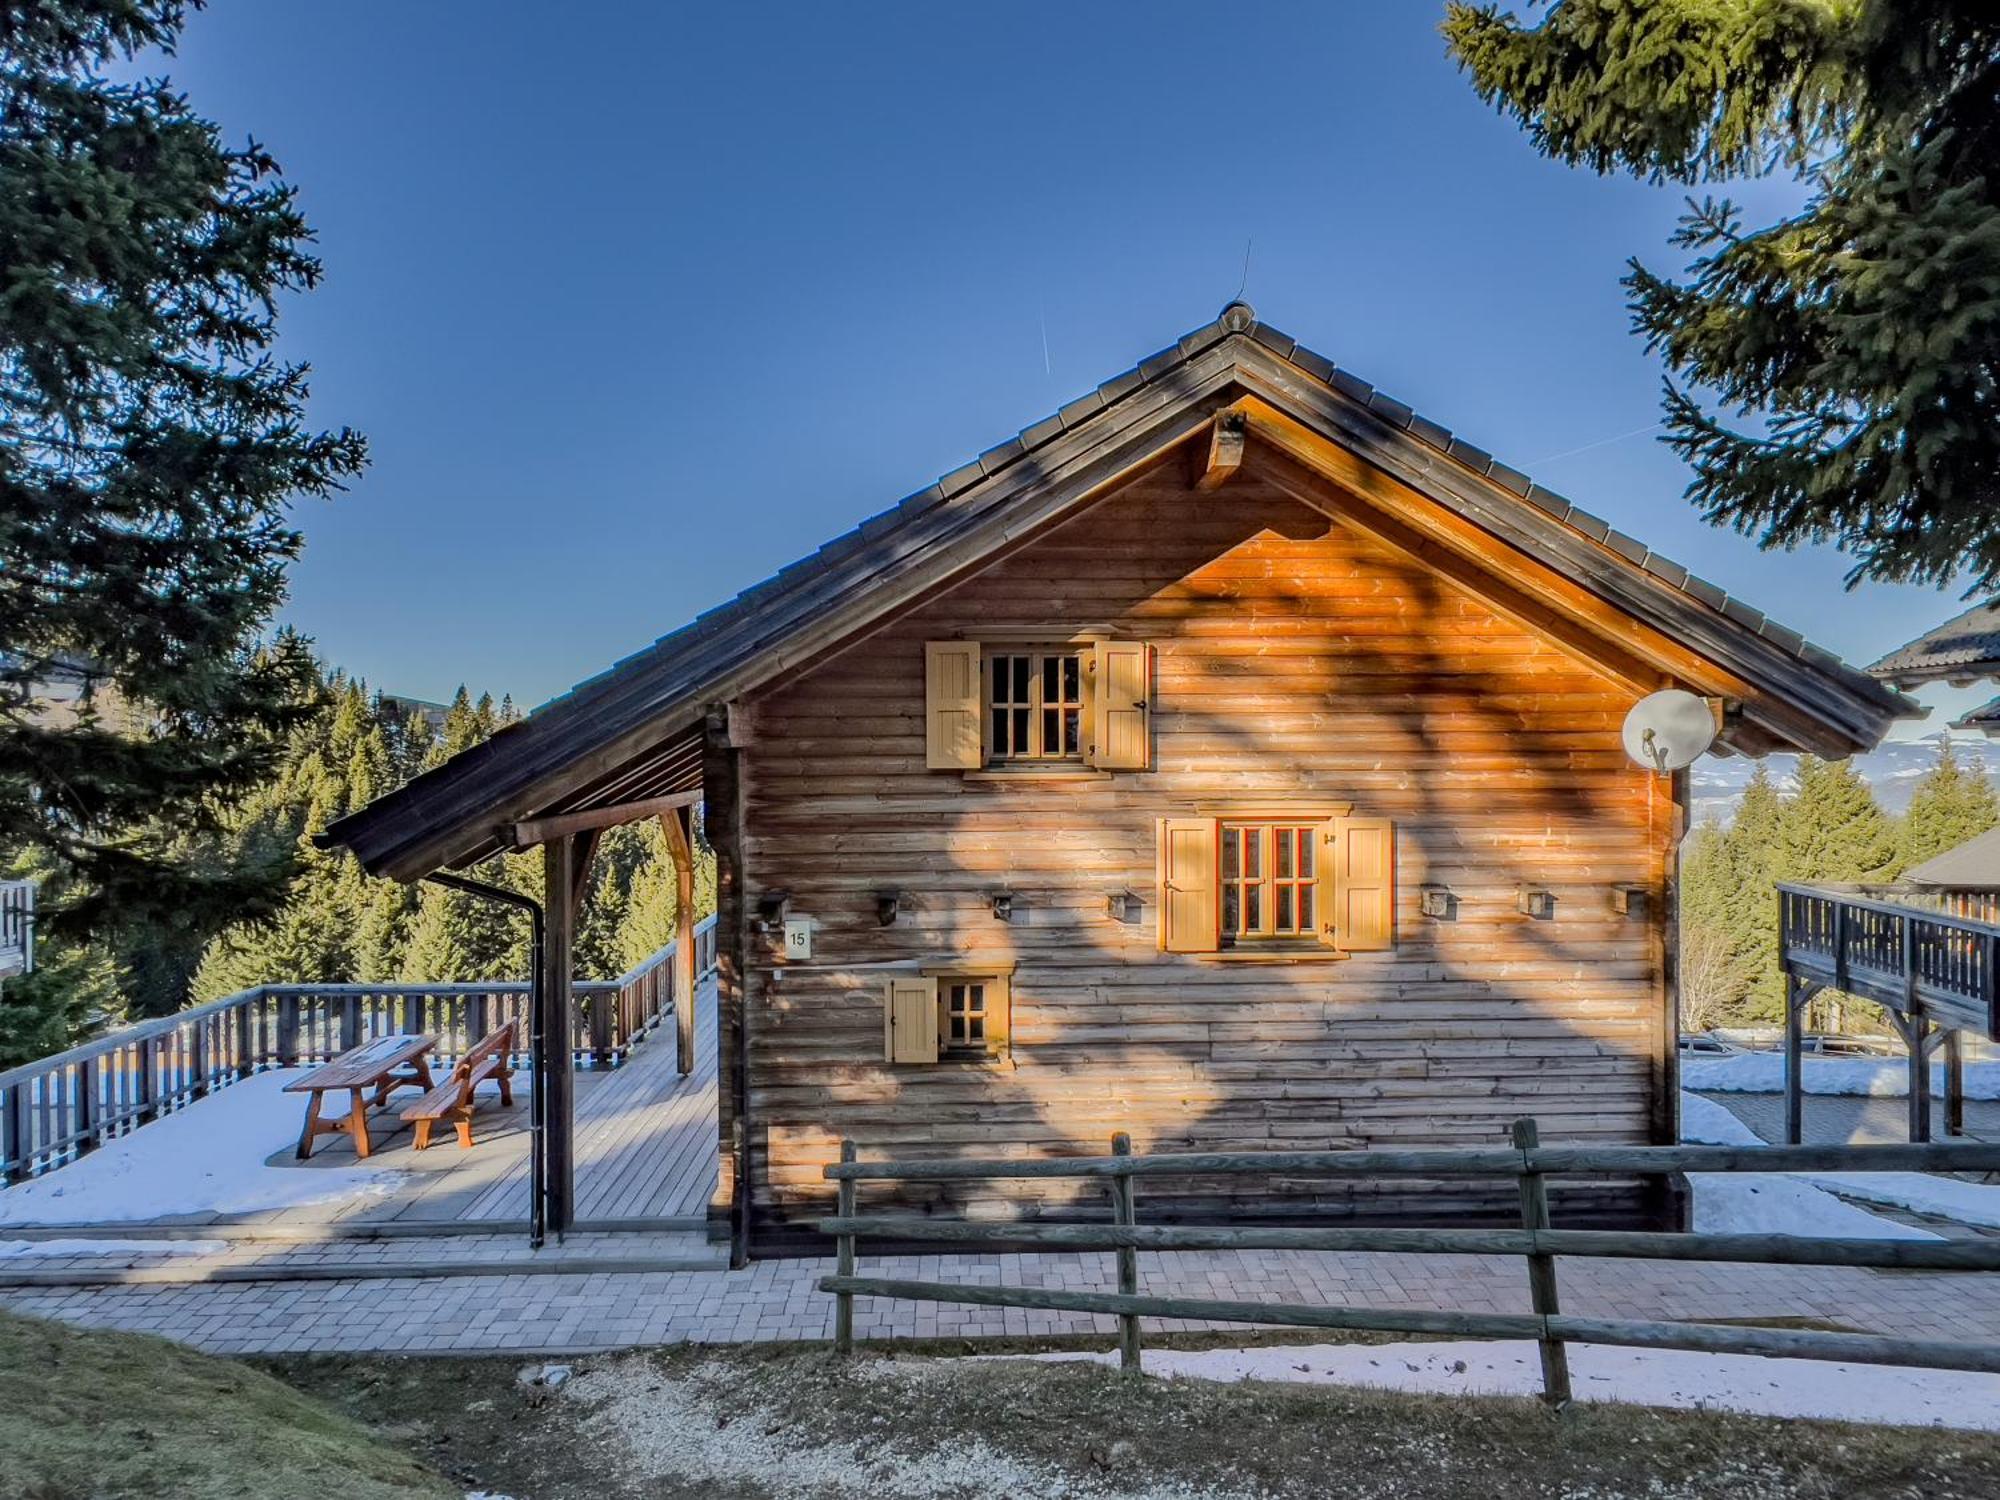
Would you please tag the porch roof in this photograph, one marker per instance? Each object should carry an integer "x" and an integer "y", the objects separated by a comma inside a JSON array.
[
  {"x": 1961, "y": 651},
  {"x": 636, "y": 731}
]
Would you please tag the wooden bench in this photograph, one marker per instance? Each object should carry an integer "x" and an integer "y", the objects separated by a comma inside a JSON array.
[{"x": 489, "y": 1057}]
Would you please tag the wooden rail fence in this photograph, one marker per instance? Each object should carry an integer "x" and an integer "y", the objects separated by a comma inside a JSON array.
[
  {"x": 57, "y": 1108},
  {"x": 1528, "y": 1161}
]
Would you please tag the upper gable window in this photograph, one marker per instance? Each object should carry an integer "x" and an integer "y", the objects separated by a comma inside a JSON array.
[
  {"x": 1034, "y": 705},
  {"x": 1023, "y": 706}
]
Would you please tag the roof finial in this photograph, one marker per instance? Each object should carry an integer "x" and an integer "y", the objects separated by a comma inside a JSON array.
[{"x": 1238, "y": 317}]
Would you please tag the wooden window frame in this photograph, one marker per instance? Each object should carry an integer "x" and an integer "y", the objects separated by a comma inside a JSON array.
[
  {"x": 1302, "y": 836},
  {"x": 1200, "y": 932},
  {"x": 1037, "y": 654},
  {"x": 997, "y": 1046}
]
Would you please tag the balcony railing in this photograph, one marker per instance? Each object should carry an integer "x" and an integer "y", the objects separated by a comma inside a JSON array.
[
  {"x": 57, "y": 1108},
  {"x": 1923, "y": 953}
]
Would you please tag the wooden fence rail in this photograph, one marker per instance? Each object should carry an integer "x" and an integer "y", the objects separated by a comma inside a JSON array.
[
  {"x": 1529, "y": 1162},
  {"x": 57, "y": 1108}
]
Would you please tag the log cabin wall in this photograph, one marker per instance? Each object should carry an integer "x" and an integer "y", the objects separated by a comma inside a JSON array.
[{"x": 1295, "y": 662}]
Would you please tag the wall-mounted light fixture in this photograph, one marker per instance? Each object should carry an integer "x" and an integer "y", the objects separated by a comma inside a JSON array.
[
  {"x": 1536, "y": 902},
  {"x": 1437, "y": 901},
  {"x": 1122, "y": 906},
  {"x": 771, "y": 909},
  {"x": 1003, "y": 906},
  {"x": 1629, "y": 900},
  {"x": 887, "y": 904}
]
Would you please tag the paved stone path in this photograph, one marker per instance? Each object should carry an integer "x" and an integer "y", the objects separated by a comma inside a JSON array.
[
  {"x": 778, "y": 1300},
  {"x": 1843, "y": 1119}
]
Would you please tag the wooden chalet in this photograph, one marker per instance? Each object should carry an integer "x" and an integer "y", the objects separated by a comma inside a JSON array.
[{"x": 1232, "y": 758}]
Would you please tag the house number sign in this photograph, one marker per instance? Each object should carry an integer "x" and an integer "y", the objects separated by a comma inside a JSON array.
[{"x": 798, "y": 937}]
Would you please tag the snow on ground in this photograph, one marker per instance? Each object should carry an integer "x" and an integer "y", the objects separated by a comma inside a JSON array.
[
  {"x": 1919, "y": 1192},
  {"x": 1648, "y": 1377},
  {"x": 1875, "y": 1077},
  {"x": 1785, "y": 1202},
  {"x": 207, "y": 1158},
  {"x": 38, "y": 1249}
]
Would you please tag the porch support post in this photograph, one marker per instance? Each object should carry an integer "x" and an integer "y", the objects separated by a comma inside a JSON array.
[
  {"x": 558, "y": 1030},
  {"x": 1954, "y": 1084},
  {"x": 1920, "y": 1080},
  {"x": 679, "y": 828},
  {"x": 1797, "y": 994}
]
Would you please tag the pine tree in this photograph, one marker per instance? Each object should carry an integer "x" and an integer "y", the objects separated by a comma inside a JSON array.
[
  {"x": 149, "y": 448},
  {"x": 1833, "y": 830},
  {"x": 1853, "y": 343},
  {"x": 1711, "y": 974},
  {"x": 1950, "y": 805},
  {"x": 1750, "y": 864}
]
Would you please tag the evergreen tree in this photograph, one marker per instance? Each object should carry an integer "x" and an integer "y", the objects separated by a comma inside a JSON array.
[
  {"x": 1950, "y": 805},
  {"x": 149, "y": 448},
  {"x": 1833, "y": 829},
  {"x": 1750, "y": 865},
  {"x": 1853, "y": 344},
  {"x": 1712, "y": 974}
]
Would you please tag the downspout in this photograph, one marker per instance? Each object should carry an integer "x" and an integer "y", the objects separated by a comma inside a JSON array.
[{"x": 538, "y": 1062}]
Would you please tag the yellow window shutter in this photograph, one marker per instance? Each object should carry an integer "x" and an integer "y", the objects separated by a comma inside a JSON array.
[
  {"x": 951, "y": 705},
  {"x": 1120, "y": 705},
  {"x": 1189, "y": 898},
  {"x": 909, "y": 1019},
  {"x": 1000, "y": 1015},
  {"x": 1357, "y": 884}
]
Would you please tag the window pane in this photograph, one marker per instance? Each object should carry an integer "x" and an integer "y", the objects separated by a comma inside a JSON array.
[
  {"x": 1051, "y": 730},
  {"x": 1232, "y": 843},
  {"x": 1072, "y": 671},
  {"x": 1020, "y": 730},
  {"x": 1051, "y": 681},
  {"x": 1020, "y": 679},
  {"x": 1284, "y": 851},
  {"x": 1253, "y": 851},
  {"x": 1232, "y": 908},
  {"x": 1305, "y": 908},
  {"x": 1285, "y": 909},
  {"x": 1306, "y": 842},
  {"x": 1253, "y": 908},
  {"x": 1072, "y": 740},
  {"x": 1000, "y": 745}
]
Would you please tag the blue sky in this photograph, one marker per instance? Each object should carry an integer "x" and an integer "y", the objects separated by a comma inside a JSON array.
[{"x": 637, "y": 303}]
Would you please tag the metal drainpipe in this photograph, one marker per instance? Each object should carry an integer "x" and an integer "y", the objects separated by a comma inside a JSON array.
[{"x": 538, "y": 1062}]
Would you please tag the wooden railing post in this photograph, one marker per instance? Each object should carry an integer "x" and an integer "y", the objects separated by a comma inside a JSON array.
[
  {"x": 204, "y": 1065},
  {"x": 350, "y": 1022},
  {"x": 1542, "y": 1268},
  {"x": 1124, "y": 1212},
  {"x": 16, "y": 1146},
  {"x": 1954, "y": 1084},
  {"x": 149, "y": 1090},
  {"x": 288, "y": 1031},
  {"x": 843, "y": 1262},
  {"x": 248, "y": 1011},
  {"x": 87, "y": 1112},
  {"x": 600, "y": 1027}
]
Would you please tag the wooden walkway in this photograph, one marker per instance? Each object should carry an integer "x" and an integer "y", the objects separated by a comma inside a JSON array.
[{"x": 645, "y": 1151}]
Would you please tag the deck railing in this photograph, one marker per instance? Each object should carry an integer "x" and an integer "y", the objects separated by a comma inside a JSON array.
[
  {"x": 17, "y": 927},
  {"x": 1531, "y": 1163},
  {"x": 1917, "y": 951},
  {"x": 56, "y": 1108}
]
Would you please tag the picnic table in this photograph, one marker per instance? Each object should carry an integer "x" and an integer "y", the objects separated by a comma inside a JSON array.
[{"x": 385, "y": 1064}]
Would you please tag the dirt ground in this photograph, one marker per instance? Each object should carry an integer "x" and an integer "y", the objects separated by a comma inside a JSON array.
[{"x": 795, "y": 1424}]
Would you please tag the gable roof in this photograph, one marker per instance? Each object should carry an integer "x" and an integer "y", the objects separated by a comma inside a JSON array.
[
  {"x": 635, "y": 731},
  {"x": 1962, "y": 650}
]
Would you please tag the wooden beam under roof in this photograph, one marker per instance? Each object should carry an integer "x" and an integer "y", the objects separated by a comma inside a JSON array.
[
  {"x": 531, "y": 831},
  {"x": 1225, "y": 453}
]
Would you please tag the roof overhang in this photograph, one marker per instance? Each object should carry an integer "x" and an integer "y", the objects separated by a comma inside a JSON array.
[{"x": 637, "y": 733}]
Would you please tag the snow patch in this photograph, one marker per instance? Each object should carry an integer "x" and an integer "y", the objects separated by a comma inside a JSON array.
[
  {"x": 1869, "y": 1077},
  {"x": 209, "y": 1158},
  {"x": 1647, "y": 1377}
]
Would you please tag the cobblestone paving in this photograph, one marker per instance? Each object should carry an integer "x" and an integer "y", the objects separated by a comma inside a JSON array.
[
  {"x": 778, "y": 1300},
  {"x": 1842, "y": 1119}
]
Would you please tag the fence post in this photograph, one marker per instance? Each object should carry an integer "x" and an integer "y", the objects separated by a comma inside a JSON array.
[
  {"x": 87, "y": 1112},
  {"x": 350, "y": 1023},
  {"x": 600, "y": 1029},
  {"x": 203, "y": 1063},
  {"x": 1954, "y": 1084},
  {"x": 1541, "y": 1267},
  {"x": 246, "y": 1064},
  {"x": 15, "y": 1144},
  {"x": 288, "y": 1031},
  {"x": 1124, "y": 1211},
  {"x": 843, "y": 1262},
  {"x": 149, "y": 1090}
]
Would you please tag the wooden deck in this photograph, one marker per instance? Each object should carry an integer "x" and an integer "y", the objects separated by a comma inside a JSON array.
[{"x": 645, "y": 1151}]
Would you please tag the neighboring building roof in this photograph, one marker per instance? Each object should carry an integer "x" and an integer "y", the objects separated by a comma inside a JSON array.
[
  {"x": 1961, "y": 651},
  {"x": 635, "y": 731},
  {"x": 1972, "y": 866},
  {"x": 1985, "y": 718}
]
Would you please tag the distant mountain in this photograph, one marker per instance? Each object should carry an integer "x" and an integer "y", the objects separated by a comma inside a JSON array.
[{"x": 1892, "y": 771}]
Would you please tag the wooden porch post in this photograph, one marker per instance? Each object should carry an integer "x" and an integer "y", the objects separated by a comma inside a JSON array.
[
  {"x": 1797, "y": 993},
  {"x": 559, "y": 1112},
  {"x": 1954, "y": 1084},
  {"x": 679, "y": 828}
]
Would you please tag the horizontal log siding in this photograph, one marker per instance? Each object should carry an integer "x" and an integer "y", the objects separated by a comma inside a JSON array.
[{"x": 1295, "y": 661}]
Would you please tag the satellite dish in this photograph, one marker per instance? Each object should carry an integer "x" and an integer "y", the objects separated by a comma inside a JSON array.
[{"x": 1666, "y": 731}]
